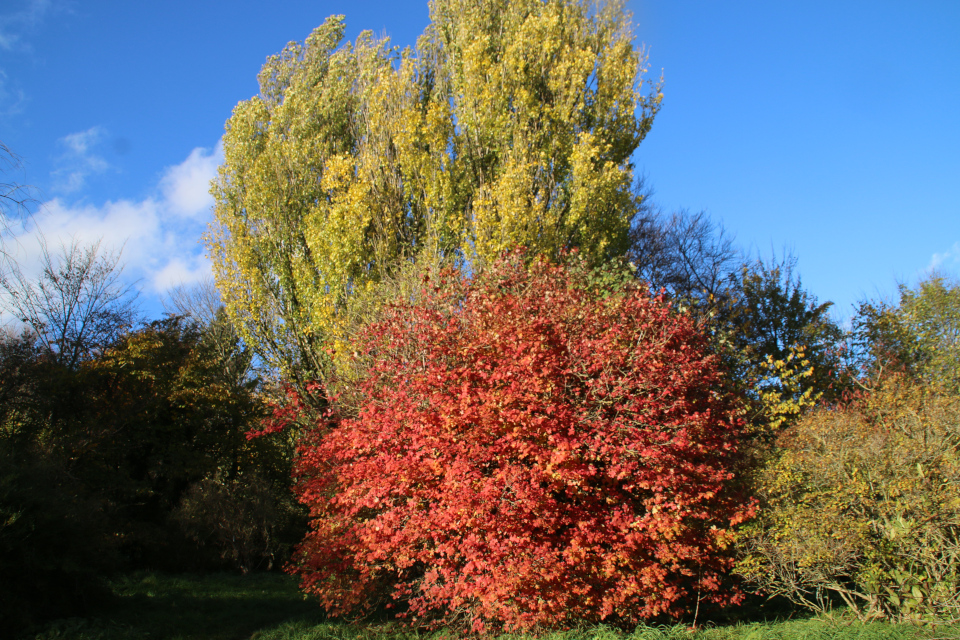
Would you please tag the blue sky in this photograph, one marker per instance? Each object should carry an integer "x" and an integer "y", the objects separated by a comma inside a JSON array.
[{"x": 827, "y": 128}]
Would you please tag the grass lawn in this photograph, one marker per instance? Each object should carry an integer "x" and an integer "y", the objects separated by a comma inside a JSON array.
[{"x": 223, "y": 606}]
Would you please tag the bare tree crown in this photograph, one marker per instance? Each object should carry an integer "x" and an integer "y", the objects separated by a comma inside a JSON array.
[{"x": 77, "y": 306}]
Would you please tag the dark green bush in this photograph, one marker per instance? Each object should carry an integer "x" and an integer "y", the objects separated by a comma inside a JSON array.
[
  {"x": 53, "y": 546},
  {"x": 249, "y": 522}
]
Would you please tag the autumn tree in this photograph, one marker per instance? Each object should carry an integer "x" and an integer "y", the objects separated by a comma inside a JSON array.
[
  {"x": 536, "y": 447},
  {"x": 163, "y": 428},
  {"x": 148, "y": 441},
  {"x": 780, "y": 343},
  {"x": 512, "y": 123},
  {"x": 919, "y": 335},
  {"x": 778, "y": 340},
  {"x": 859, "y": 496}
]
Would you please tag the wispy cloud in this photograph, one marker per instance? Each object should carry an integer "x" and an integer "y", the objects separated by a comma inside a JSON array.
[
  {"x": 949, "y": 259},
  {"x": 79, "y": 160},
  {"x": 14, "y": 26},
  {"x": 19, "y": 19},
  {"x": 12, "y": 98},
  {"x": 159, "y": 235}
]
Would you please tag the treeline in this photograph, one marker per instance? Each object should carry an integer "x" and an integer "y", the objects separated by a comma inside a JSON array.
[
  {"x": 123, "y": 444},
  {"x": 859, "y": 496},
  {"x": 126, "y": 445}
]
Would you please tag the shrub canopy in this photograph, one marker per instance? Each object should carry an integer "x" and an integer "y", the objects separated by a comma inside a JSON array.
[{"x": 534, "y": 447}]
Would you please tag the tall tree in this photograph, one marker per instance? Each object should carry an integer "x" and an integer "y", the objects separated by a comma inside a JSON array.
[
  {"x": 780, "y": 344},
  {"x": 778, "y": 340},
  {"x": 773, "y": 314},
  {"x": 511, "y": 124}
]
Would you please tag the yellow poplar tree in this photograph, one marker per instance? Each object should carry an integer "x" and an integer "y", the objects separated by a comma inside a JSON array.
[{"x": 511, "y": 124}]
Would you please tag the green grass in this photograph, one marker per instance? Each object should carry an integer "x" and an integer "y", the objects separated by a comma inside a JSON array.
[
  {"x": 268, "y": 607},
  {"x": 813, "y": 629}
]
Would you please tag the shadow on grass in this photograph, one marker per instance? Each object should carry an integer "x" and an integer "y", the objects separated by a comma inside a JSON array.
[{"x": 218, "y": 606}]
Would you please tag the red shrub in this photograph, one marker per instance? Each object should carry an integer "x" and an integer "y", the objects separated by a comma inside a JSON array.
[{"x": 537, "y": 447}]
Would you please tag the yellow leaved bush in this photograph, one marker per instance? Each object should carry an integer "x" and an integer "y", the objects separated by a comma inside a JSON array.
[{"x": 860, "y": 504}]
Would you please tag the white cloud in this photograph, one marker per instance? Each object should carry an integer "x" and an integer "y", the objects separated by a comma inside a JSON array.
[
  {"x": 947, "y": 259},
  {"x": 80, "y": 143},
  {"x": 79, "y": 161},
  {"x": 179, "y": 271},
  {"x": 186, "y": 187},
  {"x": 159, "y": 236}
]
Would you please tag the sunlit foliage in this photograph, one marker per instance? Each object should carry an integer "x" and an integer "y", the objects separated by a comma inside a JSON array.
[
  {"x": 919, "y": 336},
  {"x": 535, "y": 447},
  {"x": 861, "y": 505},
  {"x": 511, "y": 124}
]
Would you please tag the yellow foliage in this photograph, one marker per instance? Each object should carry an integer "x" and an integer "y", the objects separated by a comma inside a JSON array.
[
  {"x": 511, "y": 124},
  {"x": 860, "y": 502},
  {"x": 783, "y": 403}
]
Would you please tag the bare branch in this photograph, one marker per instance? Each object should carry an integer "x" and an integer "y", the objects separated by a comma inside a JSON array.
[
  {"x": 200, "y": 302},
  {"x": 77, "y": 306},
  {"x": 15, "y": 198},
  {"x": 688, "y": 254}
]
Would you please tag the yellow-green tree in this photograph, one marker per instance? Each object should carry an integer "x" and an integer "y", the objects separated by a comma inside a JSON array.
[
  {"x": 920, "y": 335},
  {"x": 512, "y": 123}
]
